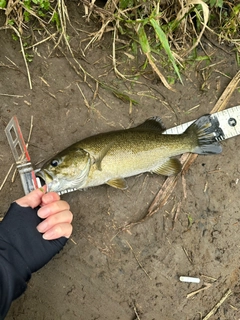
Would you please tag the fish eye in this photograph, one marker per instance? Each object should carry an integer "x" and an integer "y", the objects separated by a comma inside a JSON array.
[{"x": 54, "y": 163}]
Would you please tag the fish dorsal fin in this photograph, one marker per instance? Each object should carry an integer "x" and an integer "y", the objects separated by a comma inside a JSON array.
[
  {"x": 153, "y": 123},
  {"x": 168, "y": 168},
  {"x": 118, "y": 183}
]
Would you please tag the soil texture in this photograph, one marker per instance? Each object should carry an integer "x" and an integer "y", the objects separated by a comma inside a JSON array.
[{"x": 105, "y": 271}]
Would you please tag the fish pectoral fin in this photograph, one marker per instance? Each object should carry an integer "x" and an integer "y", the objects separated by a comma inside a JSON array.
[
  {"x": 118, "y": 183},
  {"x": 98, "y": 164},
  {"x": 168, "y": 168},
  {"x": 153, "y": 123},
  {"x": 102, "y": 154}
]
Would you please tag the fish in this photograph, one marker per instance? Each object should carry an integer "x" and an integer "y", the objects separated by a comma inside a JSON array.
[{"x": 111, "y": 157}]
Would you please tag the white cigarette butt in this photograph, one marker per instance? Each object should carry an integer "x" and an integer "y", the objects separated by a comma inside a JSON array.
[{"x": 189, "y": 279}]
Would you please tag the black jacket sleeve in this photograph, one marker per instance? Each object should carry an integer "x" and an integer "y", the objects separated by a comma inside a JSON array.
[{"x": 22, "y": 251}]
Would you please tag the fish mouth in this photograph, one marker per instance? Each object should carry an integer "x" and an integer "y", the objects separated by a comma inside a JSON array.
[
  {"x": 42, "y": 181},
  {"x": 64, "y": 184},
  {"x": 54, "y": 184},
  {"x": 47, "y": 179},
  {"x": 44, "y": 177}
]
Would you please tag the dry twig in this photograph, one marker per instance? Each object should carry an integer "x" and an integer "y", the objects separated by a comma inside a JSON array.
[
  {"x": 141, "y": 266},
  {"x": 187, "y": 255},
  {"x": 22, "y": 50},
  {"x": 214, "y": 309},
  {"x": 205, "y": 287},
  {"x": 30, "y": 132},
  {"x": 135, "y": 310},
  {"x": 11, "y": 95},
  {"x": 84, "y": 98},
  {"x": 5, "y": 179}
]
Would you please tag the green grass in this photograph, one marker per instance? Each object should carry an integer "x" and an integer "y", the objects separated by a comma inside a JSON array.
[
  {"x": 167, "y": 32},
  {"x": 176, "y": 28}
]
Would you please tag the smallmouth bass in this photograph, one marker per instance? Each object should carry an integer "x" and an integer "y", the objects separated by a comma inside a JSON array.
[{"x": 110, "y": 157}]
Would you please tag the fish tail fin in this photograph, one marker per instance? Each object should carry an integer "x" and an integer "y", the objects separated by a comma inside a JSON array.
[{"x": 207, "y": 133}]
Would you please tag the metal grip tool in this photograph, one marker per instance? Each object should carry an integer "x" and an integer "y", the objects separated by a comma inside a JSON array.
[{"x": 21, "y": 156}]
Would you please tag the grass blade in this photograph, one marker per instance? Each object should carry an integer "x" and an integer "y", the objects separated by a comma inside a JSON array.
[
  {"x": 164, "y": 41},
  {"x": 147, "y": 51}
]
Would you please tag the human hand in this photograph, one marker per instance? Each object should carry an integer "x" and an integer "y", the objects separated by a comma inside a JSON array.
[
  {"x": 23, "y": 224},
  {"x": 55, "y": 212}
]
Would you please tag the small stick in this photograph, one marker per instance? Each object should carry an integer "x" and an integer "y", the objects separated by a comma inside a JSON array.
[
  {"x": 14, "y": 175},
  {"x": 44, "y": 81},
  {"x": 11, "y": 95},
  {"x": 96, "y": 91},
  {"x": 234, "y": 308},
  {"x": 138, "y": 260},
  {"x": 118, "y": 73},
  {"x": 206, "y": 286},
  {"x": 176, "y": 214},
  {"x": 223, "y": 74},
  {"x": 12, "y": 62},
  {"x": 187, "y": 254},
  {"x": 214, "y": 309},
  {"x": 207, "y": 277},
  {"x": 5, "y": 179},
  {"x": 222, "y": 101},
  {"x": 84, "y": 98},
  {"x": 135, "y": 310},
  {"x": 71, "y": 239},
  {"x": 184, "y": 185},
  {"x": 42, "y": 41},
  {"x": 22, "y": 50},
  {"x": 30, "y": 132},
  {"x": 213, "y": 65},
  {"x": 205, "y": 187}
]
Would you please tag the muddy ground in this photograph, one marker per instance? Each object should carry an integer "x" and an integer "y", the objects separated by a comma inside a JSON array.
[{"x": 106, "y": 273}]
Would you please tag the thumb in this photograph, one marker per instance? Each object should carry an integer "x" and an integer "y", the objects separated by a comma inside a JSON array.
[{"x": 33, "y": 199}]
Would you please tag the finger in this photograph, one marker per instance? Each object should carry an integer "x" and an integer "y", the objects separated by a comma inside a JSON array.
[
  {"x": 52, "y": 208},
  {"x": 50, "y": 197},
  {"x": 33, "y": 199},
  {"x": 53, "y": 220},
  {"x": 58, "y": 231}
]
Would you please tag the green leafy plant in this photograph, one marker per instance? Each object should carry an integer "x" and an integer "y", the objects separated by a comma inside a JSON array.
[
  {"x": 3, "y": 4},
  {"x": 171, "y": 30},
  {"x": 19, "y": 12},
  {"x": 41, "y": 7},
  {"x": 167, "y": 32},
  {"x": 216, "y": 3}
]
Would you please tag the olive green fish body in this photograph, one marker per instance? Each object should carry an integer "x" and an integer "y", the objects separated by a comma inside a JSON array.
[
  {"x": 112, "y": 156},
  {"x": 130, "y": 152}
]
